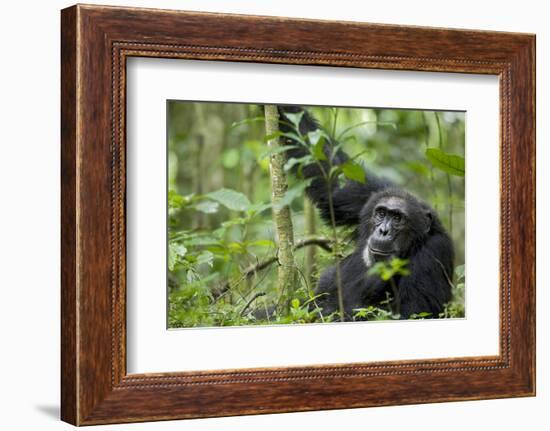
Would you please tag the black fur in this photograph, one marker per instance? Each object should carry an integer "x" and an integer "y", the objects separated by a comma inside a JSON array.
[{"x": 429, "y": 249}]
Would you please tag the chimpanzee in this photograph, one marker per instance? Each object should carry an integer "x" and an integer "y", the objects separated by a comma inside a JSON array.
[{"x": 390, "y": 222}]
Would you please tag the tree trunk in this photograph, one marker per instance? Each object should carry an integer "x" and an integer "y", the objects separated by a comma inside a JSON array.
[
  {"x": 199, "y": 185},
  {"x": 281, "y": 216},
  {"x": 447, "y": 177},
  {"x": 309, "y": 219}
]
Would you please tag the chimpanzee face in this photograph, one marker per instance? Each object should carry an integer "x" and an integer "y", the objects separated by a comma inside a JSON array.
[
  {"x": 389, "y": 222},
  {"x": 390, "y": 230}
]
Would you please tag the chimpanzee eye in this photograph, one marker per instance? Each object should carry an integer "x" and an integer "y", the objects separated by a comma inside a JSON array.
[
  {"x": 380, "y": 212},
  {"x": 397, "y": 218}
]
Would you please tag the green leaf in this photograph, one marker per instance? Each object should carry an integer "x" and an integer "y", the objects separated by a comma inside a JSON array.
[
  {"x": 230, "y": 158},
  {"x": 205, "y": 257},
  {"x": 172, "y": 260},
  {"x": 292, "y": 194},
  {"x": 316, "y": 135},
  {"x": 207, "y": 207},
  {"x": 460, "y": 271},
  {"x": 386, "y": 270},
  {"x": 335, "y": 171},
  {"x": 299, "y": 161},
  {"x": 353, "y": 171},
  {"x": 175, "y": 200},
  {"x": 262, "y": 243},
  {"x": 276, "y": 150},
  {"x": 420, "y": 316},
  {"x": 219, "y": 232},
  {"x": 236, "y": 247},
  {"x": 202, "y": 241},
  {"x": 379, "y": 123},
  {"x": 257, "y": 208},
  {"x": 295, "y": 119},
  {"x": 317, "y": 141},
  {"x": 295, "y": 303},
  {"x": 360, "y": 312},
  {"x": 318, "y": 151},
  {"x": 179, "y": 249},
  {"x": 191, "y": 275},
  {"x": 176, "y": 251},
  {"x": 290, "y": 137},
  {"x": 272, "y": 136},
  {"x": 419, "y": 168},
  {"x": 237, "y": 221},
  {"x": 449, "y": 163},
  {"x": 230, "y": 199},
  {"x": 246, "y": 121}
]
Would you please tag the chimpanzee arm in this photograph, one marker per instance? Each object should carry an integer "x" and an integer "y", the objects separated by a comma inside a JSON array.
[
  {"x": 427, "y": 288},
  {"x": 347, "y": 199}
]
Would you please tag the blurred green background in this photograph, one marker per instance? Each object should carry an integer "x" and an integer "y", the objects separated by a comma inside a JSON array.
[{"x": 215, "y": 238}]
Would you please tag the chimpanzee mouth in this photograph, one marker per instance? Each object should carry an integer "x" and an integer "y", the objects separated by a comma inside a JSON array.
[{"x": 381, "y": 252}]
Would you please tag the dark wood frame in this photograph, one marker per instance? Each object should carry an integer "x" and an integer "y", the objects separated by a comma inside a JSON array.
[{"x": 95, "y": 43}]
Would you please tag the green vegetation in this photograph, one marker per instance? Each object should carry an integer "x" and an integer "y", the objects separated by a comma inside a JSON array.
[{"x": 244, "y": 238}]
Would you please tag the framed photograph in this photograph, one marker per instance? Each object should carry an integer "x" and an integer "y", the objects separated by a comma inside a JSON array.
[{"x": 266, "y": 215}]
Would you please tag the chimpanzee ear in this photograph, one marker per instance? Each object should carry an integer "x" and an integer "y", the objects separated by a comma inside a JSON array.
[{"x": 429, "y": 221}]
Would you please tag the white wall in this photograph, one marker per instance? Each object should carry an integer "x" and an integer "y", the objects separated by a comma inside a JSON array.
[{"x": 29, "y": 227}]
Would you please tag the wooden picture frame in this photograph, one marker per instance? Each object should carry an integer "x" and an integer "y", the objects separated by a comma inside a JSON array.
[{"x": 95, "y": 43}]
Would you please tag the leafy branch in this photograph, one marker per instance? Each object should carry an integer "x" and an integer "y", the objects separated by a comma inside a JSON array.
[{"x": 321, "y": 242}]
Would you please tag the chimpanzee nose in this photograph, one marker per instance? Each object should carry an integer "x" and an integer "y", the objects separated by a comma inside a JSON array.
[{"x": 383, "y": 230}]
